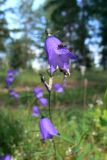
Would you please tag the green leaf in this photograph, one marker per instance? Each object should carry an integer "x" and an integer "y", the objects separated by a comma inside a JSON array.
[
  {"x": 58, "y": 155},
  {"x": 66, "y": 138},
  {"x": 105, "y": 98}
]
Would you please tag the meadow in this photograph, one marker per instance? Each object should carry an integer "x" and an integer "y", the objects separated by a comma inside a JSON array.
[{"x": 79, "y": 114}]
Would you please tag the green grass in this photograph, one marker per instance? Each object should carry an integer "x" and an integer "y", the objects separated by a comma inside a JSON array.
[
  {"x": 76, "y": 141},
  {"x": 83, "y": 131}
]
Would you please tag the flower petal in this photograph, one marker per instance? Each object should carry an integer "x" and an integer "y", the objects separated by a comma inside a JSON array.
[
  {"x": 43, "y": 101},
  {"x": 58, "y": 87},
  {"x": 6, "y": 157},
  {"x": 47, "y": 129},
  {"x": 35, "y": 111},
  {"x": 38, "y": 92}
]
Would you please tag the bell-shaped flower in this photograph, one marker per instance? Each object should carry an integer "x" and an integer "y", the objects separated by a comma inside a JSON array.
[
  {"x": 38, "y": 92},
  {"x": 58, "y": 87},
  {"x": 10, "y": 77},
  {"x": 43, "y": 101},
  {"x": 35, "y": 111},
  {"x": 47, "y": 129},
  {"x": 9, "y": 81},
  {"x": 58, "y": 55},
  {"x": 11, "y": 72},
  {"x": 6, "y": 157}
]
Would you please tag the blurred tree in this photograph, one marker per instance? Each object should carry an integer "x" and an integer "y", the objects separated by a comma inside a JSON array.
[
  {"x": 20, "y": 53},
  {"x": 4, "y": 31},
  {"x": 102, "y": 14},
  {"x": 32, "y": 23},
  {"x": 71, "y": 18},
  {"x": 98, "y": 11},
  {"x": 104, "y": 44}
]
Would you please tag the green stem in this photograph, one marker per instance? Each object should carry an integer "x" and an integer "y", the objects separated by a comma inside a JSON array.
[{"x": 50, "y": 116}]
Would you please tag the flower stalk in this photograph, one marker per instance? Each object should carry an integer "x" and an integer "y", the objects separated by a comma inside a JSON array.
[{"x": 49, "y": 89}]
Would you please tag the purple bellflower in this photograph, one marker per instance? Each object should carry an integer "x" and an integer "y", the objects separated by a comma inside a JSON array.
[
  {"x": 58, "y": 55},
  {"x": 9, "y": 81},
  {"x": 35, "y": 111},
  {"x": 10, "y": 77},
  {"x": 11, "y": 72},
  {"x": 14, "y": 94},
  {"x": 47, "y": 129},
  {"x": 6, "y": 157},
  {"x": 43, "y": 101},
  {"x": 38, "y": 92},
  {"x": 58, "y": 87}
]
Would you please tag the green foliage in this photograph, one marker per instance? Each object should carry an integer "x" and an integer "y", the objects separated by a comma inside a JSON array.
[
  {"x": 4, "y": 31},
  {"x": 82, "y": 134},
  {"x": 11, "y": 131},
  {"x": 83, "y": 131},
  {"x": 20, "y": 53},
  {"x": 105, "y": 98}
]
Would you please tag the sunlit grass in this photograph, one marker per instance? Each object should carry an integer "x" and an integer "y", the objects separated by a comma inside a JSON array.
[
  {"x": 79, "y": 134},
  {"x": 83, "y": 133}
]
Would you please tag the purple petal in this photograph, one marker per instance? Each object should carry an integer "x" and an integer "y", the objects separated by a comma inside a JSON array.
[
  {"x": 72, "y": 56},
  {"x": 35, "y": 111},
  {"x": 43, "y": 101},
  {"x": 47, "y": 129},
  {"x": 11, "y": 72},
  {"x": 57, "y": 56},
  {"x": 52, "y": 69},
  {"x": 51, "y": 44},
  {"x": 9, "y": 81},
  {"x": 38, "y": 92},
  {"x": 58, "y": 87},
  {"x": 6, "y": 157}
]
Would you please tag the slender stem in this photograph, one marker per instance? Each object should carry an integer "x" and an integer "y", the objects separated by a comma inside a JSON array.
[
  {"x": 48, "y": 87},
  {"x": 50, "y": 116}
]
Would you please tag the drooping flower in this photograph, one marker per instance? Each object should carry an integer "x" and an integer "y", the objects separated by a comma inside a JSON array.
[
  {"x": 38, "y": 92},
  {"x": 58, "y": 55},
  {"x": 43, "y": 101},
  {"x": 35, "y": 111},
  {"x": 11, "y": 72},
  {"x": 6, "y": 157},
  {"x": 9, "y": 81},
  {"x": 14, "y": 94},
  {"x": 58, "y": 87},
  {"x": 47, "y": 129},
  {"x": 10, "y": 77}
]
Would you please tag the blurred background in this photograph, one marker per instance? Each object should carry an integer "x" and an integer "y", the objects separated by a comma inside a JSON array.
[{"x": 81, "y": 24}]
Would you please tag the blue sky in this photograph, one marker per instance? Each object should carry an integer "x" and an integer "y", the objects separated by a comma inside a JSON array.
[
  {"x": 11, "y": 17},
  {"x": 12, "y": 3}
]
